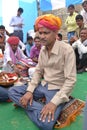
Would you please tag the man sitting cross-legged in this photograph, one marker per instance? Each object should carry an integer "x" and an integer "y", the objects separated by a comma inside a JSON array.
[{"x": 56, "y": 65}]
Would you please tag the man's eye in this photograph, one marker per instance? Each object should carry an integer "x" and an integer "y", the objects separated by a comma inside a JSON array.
[
  {"x": 47, "y": 32},
  {"x": 44, "y": 33}
]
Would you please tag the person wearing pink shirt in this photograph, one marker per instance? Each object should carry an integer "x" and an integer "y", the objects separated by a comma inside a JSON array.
[{"x": 35, "y": 50}]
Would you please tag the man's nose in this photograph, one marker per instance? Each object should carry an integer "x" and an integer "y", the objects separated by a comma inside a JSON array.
[{"x": 42, "y": 35}]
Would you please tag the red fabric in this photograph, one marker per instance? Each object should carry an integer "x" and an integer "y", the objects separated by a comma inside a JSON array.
[
  {"x": 47, "y": 25},
  {"x": 13, "y": 40}
]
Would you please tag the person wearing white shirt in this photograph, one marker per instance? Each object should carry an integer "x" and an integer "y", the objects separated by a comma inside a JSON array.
[
  {"x": 80, "y": 47},
  {"x": 12, "y": 54},
  {"x": 17, "y": 23},
  {"x": 21, "y": 45},
  {"x": 4, "y": 35},
  {"x": 84, "y": 12}
]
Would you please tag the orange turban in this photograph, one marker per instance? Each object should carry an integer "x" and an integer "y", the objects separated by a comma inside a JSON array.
[
  {"x": 13, "y": 40},
  {"x": 49, "y": 21}
]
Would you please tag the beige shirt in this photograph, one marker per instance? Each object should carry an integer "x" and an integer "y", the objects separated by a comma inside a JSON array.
[{"x": 59, "y": 71}]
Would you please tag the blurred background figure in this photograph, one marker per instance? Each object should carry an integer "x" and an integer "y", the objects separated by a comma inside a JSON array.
[
  {"x": 80, "y": 23},
  {"x": 84, "y": 12},
  {"x": 17, "y": 23},
  {"x": 12, "y": 55},
  {"x": 80, "y": 47},
  {"x": 31, "y": 33},
  {"x": 70, "y": 22},
  {"x": 4, "y": 34},
  {"x": 29, "y": 43},
  {"x": 35, "y": 50},
  {"x": 59, "y": 36}
]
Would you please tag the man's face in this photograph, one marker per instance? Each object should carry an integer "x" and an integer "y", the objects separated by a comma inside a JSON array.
[
  {"x": 47, "y": 36},
  {"x": 30, "y": 41},
  {"x": 71, "y": 10},
  {"x": 2, "y": 31},
  {"x": 19, "y": 13},
  {"x": 85, "y": 7},
  {"x": 79, "y": 22},
  {"x": 37, "y": 42},
  {"x": 14, "y": 47},
  {"x": 83, "y": 35}
]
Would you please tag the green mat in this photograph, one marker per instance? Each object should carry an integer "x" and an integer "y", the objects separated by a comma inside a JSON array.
[{"x": 12, "y": 118}]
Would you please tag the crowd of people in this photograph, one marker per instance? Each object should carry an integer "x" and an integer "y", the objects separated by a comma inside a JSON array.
[
  {"x": 56, "y": 63},
  {"x": 77, "y": 36}
]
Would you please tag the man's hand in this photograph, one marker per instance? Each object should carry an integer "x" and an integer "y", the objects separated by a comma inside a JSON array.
[
  {"x": 73, "y": 39},
  {"x": 35, "y": 59},
  {"x": 27, "y": 97},
  {"x": 20, "y": 25},
  {"x": 48, "y": 111}
]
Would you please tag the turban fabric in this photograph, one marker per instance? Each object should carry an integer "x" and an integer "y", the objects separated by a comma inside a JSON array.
[
  {"x": 49, "y": 21},
  {"x": 13, "y": 40}
]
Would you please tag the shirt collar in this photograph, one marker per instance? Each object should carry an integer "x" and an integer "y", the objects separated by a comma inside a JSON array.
[{"x": 55, "y": 47}]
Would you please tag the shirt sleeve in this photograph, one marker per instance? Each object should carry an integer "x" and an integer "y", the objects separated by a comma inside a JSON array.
[
  {"x": 22, "y": 54},
  {"x": 82, "y": 48},
  {"x": 11, "y": 22},
  {"x": 22, "y": 45},
  {"x": 70, "y": 79},
  {"x": 7, "y": 54},
  {"x": 74, "y": 45},
  {"x": 37, "y": 76}
]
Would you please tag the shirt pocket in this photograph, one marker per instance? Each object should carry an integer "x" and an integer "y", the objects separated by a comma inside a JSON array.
[{"x": 58, "y": 63}]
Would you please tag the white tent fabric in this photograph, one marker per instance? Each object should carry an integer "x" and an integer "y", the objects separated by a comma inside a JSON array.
[{"x": 8, "y": 11}]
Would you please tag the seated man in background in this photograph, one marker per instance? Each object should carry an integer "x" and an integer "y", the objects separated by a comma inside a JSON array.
[
  {"x": 80, "y": 23},
  {"x": 3, "y": 34},
  {"x": 81, "y": 53},
  {"x": 12, "y": 54},
  {"x": 35, "y": 50},
  {"x": 56, "y": 65},
  {"x": 28, "y": 46},
  {"x": 3, "y": 31},
  {"x": 21, "y": 44}
]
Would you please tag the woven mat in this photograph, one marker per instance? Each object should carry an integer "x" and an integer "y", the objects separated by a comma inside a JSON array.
[{"x": 69, "y": 112}]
